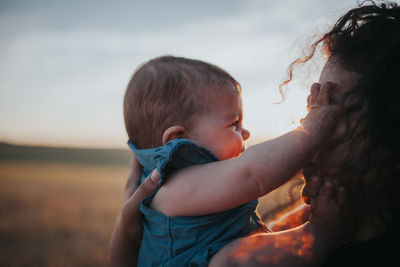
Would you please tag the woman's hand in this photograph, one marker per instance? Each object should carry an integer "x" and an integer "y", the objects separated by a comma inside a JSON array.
[
  {"x": 330, "y": 211},
  {"x": 128, "y": 230}
]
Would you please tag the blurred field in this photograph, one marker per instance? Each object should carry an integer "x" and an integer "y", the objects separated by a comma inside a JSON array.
[
  {"x": 57, "y": 214},
  {"x": 59, "y": 210}
]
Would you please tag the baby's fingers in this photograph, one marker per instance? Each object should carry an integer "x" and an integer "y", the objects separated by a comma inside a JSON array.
[
  {"x": 313, "y": 187},
  {"x": 324, "y": 96},
  {"x": 314, "y": 91},
  {"x": 308, "y": 103}
]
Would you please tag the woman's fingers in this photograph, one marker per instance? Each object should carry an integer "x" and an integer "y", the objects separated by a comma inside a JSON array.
[
  {"x": 311, "y": 189},
  {"x": 314, "y": 186},
  {"x": 148, "y": 185},
  {"x": 327, "y": 191},
  {"x": 133, "y": 179},
  {"x": 130, "y": 220}
]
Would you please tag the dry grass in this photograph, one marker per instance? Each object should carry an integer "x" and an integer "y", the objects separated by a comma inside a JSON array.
[{"x": 57, "y": 214}]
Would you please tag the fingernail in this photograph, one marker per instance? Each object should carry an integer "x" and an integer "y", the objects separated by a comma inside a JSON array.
[
  {"x": 316, "y": 85},
  {"x": 155, "y": 176}
]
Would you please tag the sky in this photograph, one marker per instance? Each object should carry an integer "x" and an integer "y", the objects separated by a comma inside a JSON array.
[{"x": 65, "y": 65}]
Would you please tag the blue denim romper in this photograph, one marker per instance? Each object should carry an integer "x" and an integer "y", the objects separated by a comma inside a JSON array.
[{"x": 186, "y": 240}]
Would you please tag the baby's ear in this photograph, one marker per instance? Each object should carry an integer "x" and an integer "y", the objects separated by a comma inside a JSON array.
[{"x": 173, "y": 132}]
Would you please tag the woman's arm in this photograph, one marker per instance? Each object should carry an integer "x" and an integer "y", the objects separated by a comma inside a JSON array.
[
  {"x": 305, "y": 245},
  {"x": 296, "y": 216},
  {"x": 127, "y": 233}
]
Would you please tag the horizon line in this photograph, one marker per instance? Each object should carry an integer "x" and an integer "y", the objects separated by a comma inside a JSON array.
[{"x": 254, "y": 140}]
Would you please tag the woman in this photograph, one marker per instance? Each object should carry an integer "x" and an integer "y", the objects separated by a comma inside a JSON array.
[
  {"x": 364, "y": 48},
  {"x": 363, "y": 51}
]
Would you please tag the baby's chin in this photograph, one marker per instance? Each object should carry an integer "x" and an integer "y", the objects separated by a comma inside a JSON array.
[
  {"x": 233, "y": 154},
  {"x": 238, "y": 155},
  {"x": 229, "y": 157}
]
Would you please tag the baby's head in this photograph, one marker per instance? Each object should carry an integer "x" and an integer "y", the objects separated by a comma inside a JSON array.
[{"x": 173, "y": 97}]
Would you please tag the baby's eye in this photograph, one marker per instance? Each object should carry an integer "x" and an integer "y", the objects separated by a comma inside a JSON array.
[{"x": 235, "y": 124}]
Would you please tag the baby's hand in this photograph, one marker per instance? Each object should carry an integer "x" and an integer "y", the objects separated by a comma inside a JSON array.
[
  {"x": 329, "y": 211},
  {"x": 323, "y": 111}
]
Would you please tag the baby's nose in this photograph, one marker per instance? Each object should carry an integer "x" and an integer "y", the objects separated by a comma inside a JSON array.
[{"x": 245, "y": 134}]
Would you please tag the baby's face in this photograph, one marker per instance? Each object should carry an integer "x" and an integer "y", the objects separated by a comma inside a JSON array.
[{"x": 220, "y": 129}]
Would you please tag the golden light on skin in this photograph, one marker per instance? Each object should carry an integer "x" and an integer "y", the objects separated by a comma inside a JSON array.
[
  {"x": 252, "y": 248},
  {"x": 291, "y": 217}
]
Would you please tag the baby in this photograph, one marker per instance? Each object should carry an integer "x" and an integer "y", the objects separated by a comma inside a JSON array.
[{"x": 181, "y": 114}]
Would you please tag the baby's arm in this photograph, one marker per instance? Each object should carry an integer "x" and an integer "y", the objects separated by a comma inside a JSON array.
[{"x": 218, "y": 186}]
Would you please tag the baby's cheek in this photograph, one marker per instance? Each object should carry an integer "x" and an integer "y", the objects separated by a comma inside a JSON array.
[{"x": 239, "y": 146}]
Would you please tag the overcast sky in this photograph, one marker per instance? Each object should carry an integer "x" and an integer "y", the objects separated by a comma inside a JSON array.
[{"x": 64, "y": 65}]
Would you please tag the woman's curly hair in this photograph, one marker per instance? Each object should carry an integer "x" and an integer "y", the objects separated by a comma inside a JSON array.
[{"x": 366, "y": 40}]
